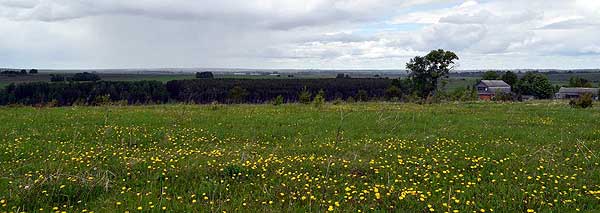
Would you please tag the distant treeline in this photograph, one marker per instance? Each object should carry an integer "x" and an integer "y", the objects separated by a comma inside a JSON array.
[
  {"x": 263, "y": 90},
  {"x": 15, "y": 72},
  {"x": 84, "y": 93},
  {"x": 189, "y": 91},
  {"x": 85, "y": 76}
]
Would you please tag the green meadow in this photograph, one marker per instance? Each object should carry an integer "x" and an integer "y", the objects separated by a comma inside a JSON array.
[{"x": 361, "y": 157}]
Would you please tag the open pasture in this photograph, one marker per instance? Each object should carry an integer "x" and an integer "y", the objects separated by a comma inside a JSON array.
[{"x": 483, "y": 157}]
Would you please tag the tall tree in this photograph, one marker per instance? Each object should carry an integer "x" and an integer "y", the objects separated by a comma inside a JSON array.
[
  {"x": 579, "y": 82},
  {"x": 510, "y": 78},
  {"x": 425, "y": 72},
  {"x": 535, "y": 84}
]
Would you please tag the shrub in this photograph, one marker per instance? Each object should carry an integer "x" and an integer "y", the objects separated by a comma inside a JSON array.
[
  {"x": 350, "y": 100},
  {"x": 237, "y": 94},
  {"x": 278, "y": 100},
  {"x": 304, "y": 96},
  {"x": 338, "y": 101},
  {"x": 503, "y": 96},
  {"x": 414, "y": 97},
  {"x": 582, "y": 102},
  {"x": 362, "y": 95},
  {"x": 462, "y": 94},
  {"x": 319, "y": 99},
  {"x": 393, "y": 92},
  {"x": 101, "y": 100}
]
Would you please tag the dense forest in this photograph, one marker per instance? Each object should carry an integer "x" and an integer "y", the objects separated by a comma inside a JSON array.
[
  {"x": 192, "y": 91},
  {"x": 263, "y": 90},
  {"x": 85, "y": 93}
]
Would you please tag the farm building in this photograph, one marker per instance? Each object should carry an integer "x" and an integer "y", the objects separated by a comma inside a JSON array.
[
  {"x": 575, "y": 92},
  {"x": 487, "y": 89}
]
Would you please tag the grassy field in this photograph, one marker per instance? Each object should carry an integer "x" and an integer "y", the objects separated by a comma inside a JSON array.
[{"x": 501, "y": 157}]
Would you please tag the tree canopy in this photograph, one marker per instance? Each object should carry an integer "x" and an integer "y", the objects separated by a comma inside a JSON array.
[
  {"x": 510, "y": 78},
  {"x": 85, "y": 76},
  {"x": 204, "y": 75},
  {"x": 490, "y": 75},
  {"x": 425, "y": 72},
  {"x": 535, "y": 84},
  {"x": 579, "y": 82}
]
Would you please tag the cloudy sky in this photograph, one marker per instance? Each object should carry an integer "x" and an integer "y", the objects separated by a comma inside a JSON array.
[{"x": 314, "y": 34}]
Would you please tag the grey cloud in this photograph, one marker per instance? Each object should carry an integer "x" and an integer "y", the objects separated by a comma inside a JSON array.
[
  {"x": 291, "y": 33},
  {"x": 20, "y": 4},
  {"x": 299, "y": 53},
  {"x": 485, "y": 16},
  {"x": 268, "y": 14},
  {"x": 572, "y": 24},
  {"x": 342, "y": 37},
  {"x": 453, "y": 37}
]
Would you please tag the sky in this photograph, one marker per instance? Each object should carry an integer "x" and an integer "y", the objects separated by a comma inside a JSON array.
[{"x": 297, "y": 34}]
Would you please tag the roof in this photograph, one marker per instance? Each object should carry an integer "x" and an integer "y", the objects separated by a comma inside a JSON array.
[
  {"x": 578, "y": 90},
  {"x": 495, "y": 83}
]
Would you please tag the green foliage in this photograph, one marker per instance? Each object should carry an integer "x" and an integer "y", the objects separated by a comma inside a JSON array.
[
  {"x": 202, "y": 91},
  {"x": 232, "y": 170},
  {"x": 57, "y": 78},
  {"x": 338, "y": 101},
  {"x": 13, "y": 72},
  {"x": 101, "y": 100},
  {"x": 585, "y": 101},
  {"x": 362, "y": 95},
  {"x": 319, "y": 99},
  {"x": 463, "y": 94},
  {"x": 85, "y": 93},
  {"x": 278, "y": 100},
  {"x": 535, "y": 84},
  {"x": 85, "y": 76},
  {"x": 405, "y": 85},
  {"x": 393, "y": 92},
  {"x": 3, "y": 97},
  {"x": 579, "y": 82},
  {"x": 351, "y": 100},
  {"x": 237, "y": 94},
  {"x": 425, "y": 72},
  {"x": 490, "y": 75},
  {"x": 503, "y": 96},
  {"x": 304, "y": 96},
  {"x": 510, "y": 78}
]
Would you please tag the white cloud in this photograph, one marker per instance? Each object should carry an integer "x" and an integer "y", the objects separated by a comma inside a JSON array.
[{"x": 296, "y": 33}]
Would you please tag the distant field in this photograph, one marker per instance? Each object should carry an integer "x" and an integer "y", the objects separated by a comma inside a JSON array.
[
  {"x": 5, "y": 80},
  {"x": 461, "y": 82},
  {"x": 512, "y": 157}
]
